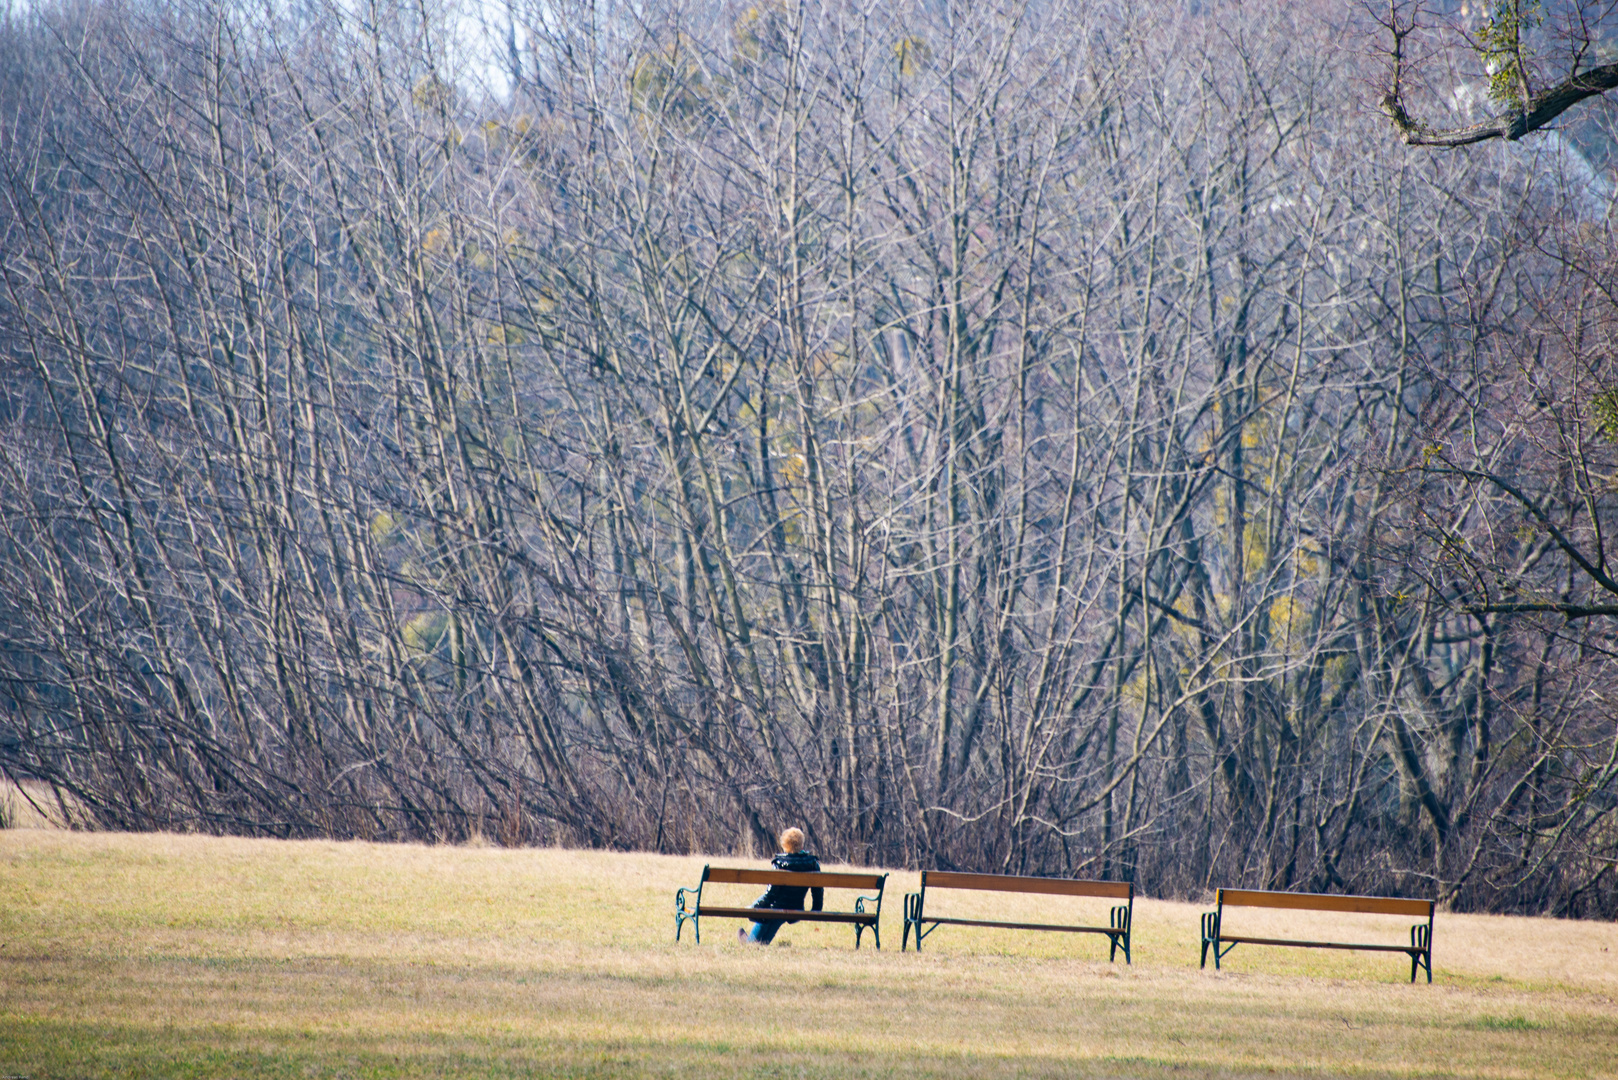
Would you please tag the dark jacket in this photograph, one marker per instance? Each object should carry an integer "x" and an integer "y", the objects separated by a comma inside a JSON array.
[{"x": 791, "y": 896}]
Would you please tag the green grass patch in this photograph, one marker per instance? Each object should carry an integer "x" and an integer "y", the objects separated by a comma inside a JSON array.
[{"x": 1505, "y": 1023}]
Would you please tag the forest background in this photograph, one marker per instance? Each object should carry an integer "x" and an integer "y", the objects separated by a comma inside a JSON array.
[{"x": 1047, "y": 437}]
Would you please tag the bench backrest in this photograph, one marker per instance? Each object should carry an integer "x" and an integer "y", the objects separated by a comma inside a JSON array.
[
  {"x": 725, "y": 876},
  {"x": 942, "y": 879},
  {"x": 1370, "y": 905}
]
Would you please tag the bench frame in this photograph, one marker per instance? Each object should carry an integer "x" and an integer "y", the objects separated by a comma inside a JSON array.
[
  {"x": 688, "y": 905},
  {"x": 1121, "y": 919},
  {"x": 1420, "y": 948}
]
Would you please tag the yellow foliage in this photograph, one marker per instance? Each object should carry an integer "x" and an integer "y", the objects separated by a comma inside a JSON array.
[
  {"x": 1134, "y": 691},
  {"x": 669, "y": 82},
  {"x": 382, "y": 526},
  {"x": 795, "y": 469},
  {"x": 425, "y": 632},
  {"x": 1336, "y": 670},
  {"x": 1257, "y": 432},
  {"x": 1255, "y": 550},
  {"x": 506, "y": 335},
  {"x": 432, "y": 93},
  {"x": 1308, "y": 558},
  {"x": 913, "y": 55},
  {"x": 829, "y": 361},
  {"x": 1288, "y": 617},
  {"x": 753, "y": 30}
]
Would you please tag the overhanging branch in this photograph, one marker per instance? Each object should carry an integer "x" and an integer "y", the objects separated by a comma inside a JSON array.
[
  {"x": 1539, "y": 111},
  {"x": 1569, "y": 610}
]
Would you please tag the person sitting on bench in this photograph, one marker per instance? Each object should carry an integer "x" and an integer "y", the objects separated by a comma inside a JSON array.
[{"x": 784, "y": 897}]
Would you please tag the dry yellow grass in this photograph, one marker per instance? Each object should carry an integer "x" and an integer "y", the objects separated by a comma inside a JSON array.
[{"x": 191, "y": 956}]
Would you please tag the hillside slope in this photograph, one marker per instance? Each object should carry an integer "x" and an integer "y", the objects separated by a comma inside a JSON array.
[{"x": 146, "y": 955}]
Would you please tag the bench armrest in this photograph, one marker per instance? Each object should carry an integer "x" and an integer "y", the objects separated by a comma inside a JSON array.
[
  {"x": 680, "y": 894},
  {"x": 859, "y": 903},
  {"x": 688, "y": 907}
]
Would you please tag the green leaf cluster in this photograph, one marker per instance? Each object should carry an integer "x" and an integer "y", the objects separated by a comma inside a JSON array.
[
  {"x": 1605, "y": 407},
  {"x": 1500, "y": 44}
]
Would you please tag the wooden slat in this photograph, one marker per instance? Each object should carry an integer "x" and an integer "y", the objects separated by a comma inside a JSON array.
[
  {"x": 725, "y": 876},
  {"x": 783, "y": 914},
  {"x": 943, "y": 879},
  {"x": 1025, "y": 925},
  {"x": 1365, "y": 905},
  {"x": 1319, "y": 944}
]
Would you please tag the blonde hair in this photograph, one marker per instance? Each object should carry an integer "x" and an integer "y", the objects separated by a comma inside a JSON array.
[{"x": 792, "y": 841}]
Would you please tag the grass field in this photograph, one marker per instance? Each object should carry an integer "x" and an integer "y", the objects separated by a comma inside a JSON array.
[{"x": 181, "y": 956}]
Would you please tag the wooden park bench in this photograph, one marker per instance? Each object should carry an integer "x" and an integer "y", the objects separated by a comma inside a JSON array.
[
  {"x": 1117, "y": 930},
  {"x": 689, "y": 906},
  {"x": 1421, "y": 935}
]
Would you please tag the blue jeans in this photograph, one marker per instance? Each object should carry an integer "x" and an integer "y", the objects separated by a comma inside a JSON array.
[{"x": 762, "y": 933}]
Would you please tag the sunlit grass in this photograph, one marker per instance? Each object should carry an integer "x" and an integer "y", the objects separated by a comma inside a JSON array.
[{"x": 189, "y": 956}]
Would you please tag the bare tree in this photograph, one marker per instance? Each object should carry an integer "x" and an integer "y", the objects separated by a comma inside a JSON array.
[{"x": 997, "y": 435}]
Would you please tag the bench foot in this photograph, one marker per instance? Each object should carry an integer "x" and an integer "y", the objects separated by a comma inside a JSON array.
[
  {"x": 912, "y": 907},
  {"x": 1121, "y": 917},
  {"x": 1210, "y": 936},
  {"x": 1421, "y": 950}
]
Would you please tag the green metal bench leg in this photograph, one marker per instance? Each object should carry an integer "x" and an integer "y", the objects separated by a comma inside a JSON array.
[
  {"x": 912, "y": 916},
  {"x": 1210, "y": 935},
  {"x": 1120, "y": 919},
  {"x": 1421, "y": 950}
]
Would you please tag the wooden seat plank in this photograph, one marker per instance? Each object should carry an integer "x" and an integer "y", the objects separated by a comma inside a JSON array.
[
  {"x": 721, "y": 875},
  {"x": 1363, "y": 905},
  {"x": 944, "y": 879},
  {"x": 1027, "y": 926},
  {"x": 1317, "y": 944},
  {"x": 784, "y": 914}
]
